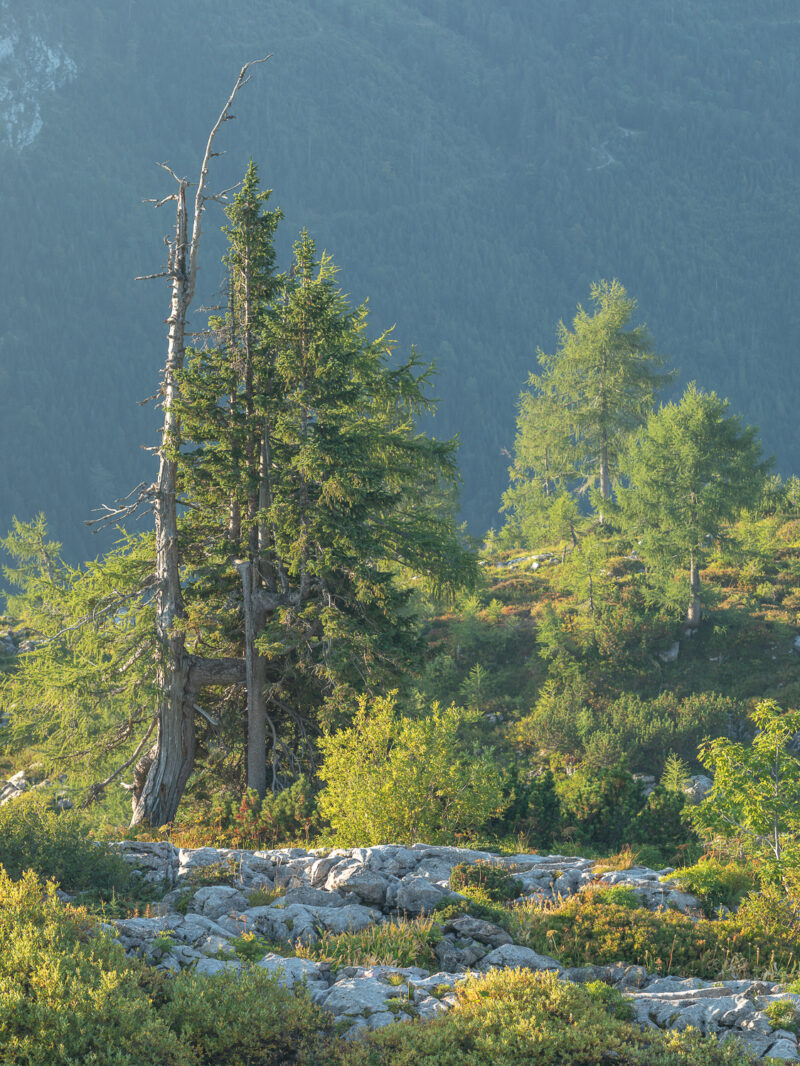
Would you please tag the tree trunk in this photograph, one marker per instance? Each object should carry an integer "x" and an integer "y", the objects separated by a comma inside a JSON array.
[
  {"x": 695, "y": 611},
  {"x": 256, "y": 667},
  {"x": 173, "y": 758},
  {"x": 174, "y": 751},
  {"x": 605, "y": 478}
]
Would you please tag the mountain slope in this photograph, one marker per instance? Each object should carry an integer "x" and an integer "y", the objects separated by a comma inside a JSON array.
[{"x": 471, "y": 168}]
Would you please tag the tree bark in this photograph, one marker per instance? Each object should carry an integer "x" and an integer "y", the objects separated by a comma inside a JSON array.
[
  {"x": 172, "y": 759},
  {"x": 695, "y": 612},
  {"x": 256, "y": 668}
]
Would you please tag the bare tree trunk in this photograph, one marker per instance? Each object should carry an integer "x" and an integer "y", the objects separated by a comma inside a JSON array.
[
  {"x": 256, "y": 667},
  {"x": 173, "y": 758},
  {"x": 695, "y": 611},
  {"x": 605, "y": 478}
]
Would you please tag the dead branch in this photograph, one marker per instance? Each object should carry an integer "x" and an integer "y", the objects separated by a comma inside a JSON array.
[
  {"x": 200, "y": 196},
  {"x": 97, "y": 789}
]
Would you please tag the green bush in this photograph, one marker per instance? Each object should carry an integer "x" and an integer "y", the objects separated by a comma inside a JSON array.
[
  {"x": 396, "y": 943},
  {"x": 600, "y": 804},
  {"x": 661, "y": 822},
  {"x": 533, "y": 810},
  {"x": 782, "y": 1014},
  {"x": 250, "y": 822},
  {"x": 618, "y": 896},
  {"x": 570, "y": 719},
  {"x": 772, "y": 914},
  {"x": 583, "y": 931},
  {"x": 612, "y": 999},
  {"x": 515, "y": 1017},
  {"x": 448, "y": 909},
  {"x": 718, "y": 884},
  {"x": 485, "y": 882},
  {"x": 245, "y": 1018},
  {"x": 68, "y": 995},
  {"x": 57, "y": 845},
  {"x": 393, "y": 779}
]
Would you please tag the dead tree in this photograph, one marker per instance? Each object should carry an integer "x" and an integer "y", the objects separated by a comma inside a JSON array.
[{"x": 161, "y": 776}]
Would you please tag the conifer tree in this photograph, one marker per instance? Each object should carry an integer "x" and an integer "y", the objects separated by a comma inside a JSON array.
[
  {"x": 303, "y": 493},
  {"x": 310, "y": 434},
  {"x": 693, "y": 468},
  {"x": 584, "y": 403}
]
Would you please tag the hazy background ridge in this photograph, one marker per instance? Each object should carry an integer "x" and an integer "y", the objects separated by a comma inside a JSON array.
[{"x": 471, "y": 167}]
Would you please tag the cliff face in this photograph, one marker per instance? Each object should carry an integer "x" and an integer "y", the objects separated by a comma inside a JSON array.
[{"x": 30, "y": 66}]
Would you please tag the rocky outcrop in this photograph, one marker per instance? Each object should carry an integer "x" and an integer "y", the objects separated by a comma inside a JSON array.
[
  {"x": 30, "y": 67},
  {"x": 21, "y": 782},
  {"x": 323, "y": 893}
]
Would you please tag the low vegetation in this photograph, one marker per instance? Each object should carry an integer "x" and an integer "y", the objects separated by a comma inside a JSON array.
[{"x": 516, "y": 1017}]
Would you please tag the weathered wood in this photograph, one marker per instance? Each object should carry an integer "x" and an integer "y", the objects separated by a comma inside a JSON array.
[{"x": 173, "y": 757}]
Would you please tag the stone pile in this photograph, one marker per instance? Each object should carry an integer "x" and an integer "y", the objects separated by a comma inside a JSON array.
[{"x": 328, "y": 892}]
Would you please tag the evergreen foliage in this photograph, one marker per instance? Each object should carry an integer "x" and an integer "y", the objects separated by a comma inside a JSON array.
[
  {"x": 312, "y": 500},
  {"x": 573, "y": 427},
  {"x": 692, "y": 469}
]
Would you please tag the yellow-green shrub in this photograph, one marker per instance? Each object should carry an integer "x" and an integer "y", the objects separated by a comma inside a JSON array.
[
  {"x": 718, "y": 884},
  {"x": 410, "y": 943},
  {"x": 586, "y": 931},
  {"x": 58, "y": 845},
  {"x": 68, "y": 995},
  {"x": 245, "y": 1019},
  {"x": 516, "y": 1017}
]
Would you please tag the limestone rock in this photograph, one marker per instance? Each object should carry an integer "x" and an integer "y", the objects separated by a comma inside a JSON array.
[{"x": 515, "y": 957}]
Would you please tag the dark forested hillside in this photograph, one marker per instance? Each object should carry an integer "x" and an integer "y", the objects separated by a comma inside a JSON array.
[{"x": 472, "y": 167}]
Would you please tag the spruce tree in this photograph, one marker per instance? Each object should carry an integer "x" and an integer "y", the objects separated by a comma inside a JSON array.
[
  {"x": 335, "y": 488},
  {"x": 304, "y": 499}
]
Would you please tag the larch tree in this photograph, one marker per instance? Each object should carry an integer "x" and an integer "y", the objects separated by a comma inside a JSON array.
[
  {"x": 690, "y": 470},
  {"x": 583, "y": 404}
]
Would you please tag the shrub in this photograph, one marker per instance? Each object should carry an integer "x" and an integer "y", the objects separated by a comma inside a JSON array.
[
  {"x": 756, "y": 791},
  {"x": 782, "y": 1014},
  {"x": 286, "y": 817},
  {"x": 485, "y": 882},
  {"x": 68, "y": 995},
  {"x": 771, "y": 914},
  {"x": 582, "y": 931},
  {"x": 600, "y": 804},
  {"x": 409, "y": 943},
  {"x": 393, "y": 779},
  {"x": 612, "y": 999},
  {"x": 514, "y": 1017},
  {"x": 448, "y": 909},
  {"x": 718, "y": 884},
  {"x": 57, "y": 845},
  {"x": 533, "y": 809},
  {"x": 244, "y": 1018},
  {"x": 618, "y": 896},
  {"x": 661, "y": 822}
]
